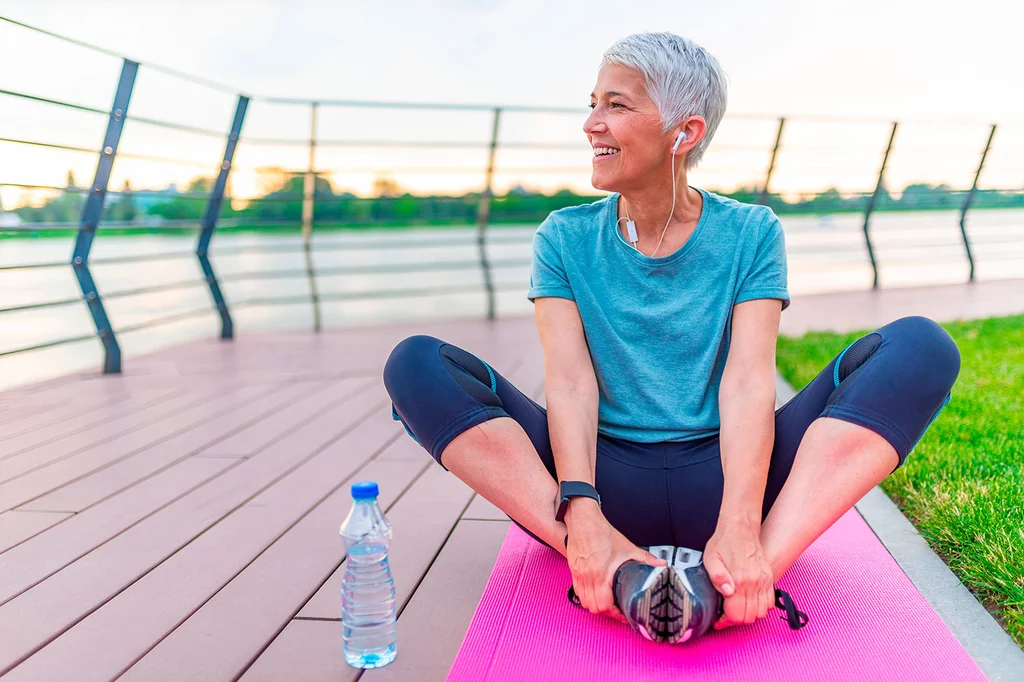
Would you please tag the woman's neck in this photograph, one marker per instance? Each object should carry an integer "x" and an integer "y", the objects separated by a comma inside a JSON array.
[{"x": 649, "y": 209}]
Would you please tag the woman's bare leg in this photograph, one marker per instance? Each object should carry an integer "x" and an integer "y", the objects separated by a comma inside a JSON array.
[
  {"x": 497, "y": 459},
  {"x": 836, "y": 464}
]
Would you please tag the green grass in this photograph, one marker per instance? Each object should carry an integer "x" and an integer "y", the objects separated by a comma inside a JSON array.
[{"x": 963, "y": 486}]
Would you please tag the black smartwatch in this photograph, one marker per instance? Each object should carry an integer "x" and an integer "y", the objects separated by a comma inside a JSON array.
[{"x": 570, "y": 489}]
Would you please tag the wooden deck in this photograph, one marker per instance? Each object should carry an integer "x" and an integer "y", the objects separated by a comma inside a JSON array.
[{"x": 180, "y": 522}]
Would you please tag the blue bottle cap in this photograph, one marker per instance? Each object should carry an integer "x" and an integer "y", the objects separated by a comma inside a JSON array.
[{"x": 364, "y": 490}]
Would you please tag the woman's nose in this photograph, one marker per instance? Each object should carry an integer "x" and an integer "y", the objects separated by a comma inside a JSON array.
[{"x": 594, "y": 123}]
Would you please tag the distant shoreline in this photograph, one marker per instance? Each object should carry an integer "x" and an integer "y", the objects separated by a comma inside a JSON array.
[{"x": 24, "y": 231}]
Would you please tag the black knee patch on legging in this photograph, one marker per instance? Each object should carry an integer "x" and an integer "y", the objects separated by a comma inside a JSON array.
[
  {"x": 853, "y": 358},
  {"x": 471, "y": 374},
  {"x": 857, "y": 354}
]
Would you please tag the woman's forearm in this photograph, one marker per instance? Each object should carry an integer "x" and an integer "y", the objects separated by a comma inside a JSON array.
[
  {"x": 747, "y": 438},
  {"x": 572, "y": 427}
]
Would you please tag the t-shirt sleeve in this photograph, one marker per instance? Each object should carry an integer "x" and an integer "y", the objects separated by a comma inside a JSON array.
[
  {"x": 766, "y": 277},
  {"x": 547, "y": 272}
]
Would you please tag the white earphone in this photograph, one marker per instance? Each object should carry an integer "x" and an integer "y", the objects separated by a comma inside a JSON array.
[{"x": 679, "y": 139}]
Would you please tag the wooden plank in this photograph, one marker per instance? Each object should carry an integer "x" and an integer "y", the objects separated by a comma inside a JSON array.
[
  {"x": 23, "y": 415},
  {"x": 250, "y": 440},
  {"x": 16, "y": 406},
  {"x": 405, "y": 449},
  {"x": 231, "y": 629},
  {"x": 92, "y": 426},
  {"x": 422, "y": 520},
  {"x": 443, "y": 605},
  {"x": 482, "y": 510},
  {"x": 17, "y": 526},
  {"x": 50, "y": 608},
  {"x": 89, "y": 392},
  {"x": 43, "y": 404},
  {"x": 40, "y": 481},
  {"x": 105, "y": 482},
  {"x": 133, "y": 419},
  {"x": 306, "y": 651},
  {"x": 32, "y": 561}
]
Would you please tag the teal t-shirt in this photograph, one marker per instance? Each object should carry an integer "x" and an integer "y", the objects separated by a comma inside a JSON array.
[{"x": 658, "y": 329}]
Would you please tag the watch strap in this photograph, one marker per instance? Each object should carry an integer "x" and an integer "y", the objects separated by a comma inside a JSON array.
[{"x": 570, "y": 489}]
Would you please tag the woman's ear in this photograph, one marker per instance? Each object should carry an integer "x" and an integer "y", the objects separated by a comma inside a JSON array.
[{"x": 691, "y": 130}]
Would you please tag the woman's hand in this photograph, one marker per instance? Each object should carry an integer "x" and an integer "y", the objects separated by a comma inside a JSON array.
[
  {"x": 738, "y": 568},
  {"x": 595, "y": 551}
]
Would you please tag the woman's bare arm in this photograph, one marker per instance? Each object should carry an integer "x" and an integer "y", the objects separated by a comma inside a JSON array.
[
  {"x": 570, "y": 387},
  {"x": 733, "y": 556}
]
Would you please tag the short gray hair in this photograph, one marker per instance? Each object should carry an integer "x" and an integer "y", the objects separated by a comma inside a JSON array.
[{"x": 682, "y": 79}]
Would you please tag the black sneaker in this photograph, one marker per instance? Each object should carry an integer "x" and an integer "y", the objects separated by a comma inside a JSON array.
[
  {"x": 673, "y": 603},
  {"x": 678, "y": 602}
]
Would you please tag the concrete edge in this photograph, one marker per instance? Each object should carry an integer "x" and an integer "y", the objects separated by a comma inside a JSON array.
[{"x": 985, "y": 641}]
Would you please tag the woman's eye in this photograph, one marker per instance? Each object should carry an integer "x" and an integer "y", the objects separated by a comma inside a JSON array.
[
  {"x": 614, "y": 104},
  {"x": 592, "y": 105}
]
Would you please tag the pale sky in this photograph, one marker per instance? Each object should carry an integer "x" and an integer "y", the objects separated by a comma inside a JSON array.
[{"x": 884, "y": 59}]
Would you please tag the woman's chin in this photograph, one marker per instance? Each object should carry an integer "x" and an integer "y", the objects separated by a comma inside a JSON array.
[{"x": 606, "y": 182}]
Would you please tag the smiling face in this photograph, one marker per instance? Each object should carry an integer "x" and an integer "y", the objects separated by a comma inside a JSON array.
[{"x": 625, "y": 131}]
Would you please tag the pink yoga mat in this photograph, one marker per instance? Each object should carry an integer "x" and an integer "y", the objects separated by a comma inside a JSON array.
[{"x": 867, "y": 622}]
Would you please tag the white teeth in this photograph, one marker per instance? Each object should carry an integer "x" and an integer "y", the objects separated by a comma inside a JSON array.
[{"x": 602, "y": 151}]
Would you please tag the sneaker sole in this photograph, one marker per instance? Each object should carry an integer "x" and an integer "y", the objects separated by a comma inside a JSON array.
[{"x": 662, "y": 608}]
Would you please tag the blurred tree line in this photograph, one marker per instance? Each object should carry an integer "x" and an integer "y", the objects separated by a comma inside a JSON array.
[
  {"x": 281, "y": 195},
  {"x": 914, "y": 197},
  {"x": 67, "y": 206},
  {"x": 283, "y": 204}
]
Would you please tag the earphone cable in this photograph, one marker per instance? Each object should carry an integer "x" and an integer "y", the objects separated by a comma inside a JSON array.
[{"x": 671, "y": 210}]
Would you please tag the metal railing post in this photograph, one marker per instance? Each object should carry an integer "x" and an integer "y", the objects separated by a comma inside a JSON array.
[
  {"x": 93, "y": 210},
  {"x": 970, "y": 199},
  {"x": 771, "y": 163},
  {"x": 483, "y": 215},
  {"x": 873, "y": 200},
  {"x": 308, "y": 202},
  {"x": 210, "y": 216}
]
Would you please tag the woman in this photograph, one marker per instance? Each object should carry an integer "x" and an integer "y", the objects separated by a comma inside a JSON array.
[{"x": 658, "y": 311}]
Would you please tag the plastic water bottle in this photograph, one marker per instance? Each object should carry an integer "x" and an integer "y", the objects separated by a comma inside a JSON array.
[{"x": 368, "y": 611}]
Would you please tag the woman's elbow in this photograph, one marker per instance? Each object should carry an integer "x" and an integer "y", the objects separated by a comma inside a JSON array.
[
  {"x": 581, "y": 391},
  {"x": 755, "y": 386}
]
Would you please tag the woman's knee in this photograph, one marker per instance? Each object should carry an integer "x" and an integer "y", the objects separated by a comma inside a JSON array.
[
  {"x": 407, "y": 359},
  {"x": 932, "y": 347},
  {"x": 439, "y": 391}
]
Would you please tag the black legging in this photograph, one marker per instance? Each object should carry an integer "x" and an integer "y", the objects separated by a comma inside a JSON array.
[{"x": 894, "y": 381}]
